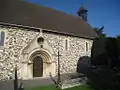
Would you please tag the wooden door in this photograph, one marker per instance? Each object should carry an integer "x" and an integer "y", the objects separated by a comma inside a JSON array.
[{"x": 37, "y": 67}]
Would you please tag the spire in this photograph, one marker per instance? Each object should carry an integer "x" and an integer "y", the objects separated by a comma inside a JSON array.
[{"x": 83, "y": 13}]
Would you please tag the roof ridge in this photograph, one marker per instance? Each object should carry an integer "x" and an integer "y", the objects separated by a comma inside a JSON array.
[{"x": 53, "y": 9}]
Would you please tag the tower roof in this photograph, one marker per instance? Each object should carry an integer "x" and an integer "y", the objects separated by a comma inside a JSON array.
[
  {"x": 28, "y": 14},
  {"x": 82, "y": 9}
]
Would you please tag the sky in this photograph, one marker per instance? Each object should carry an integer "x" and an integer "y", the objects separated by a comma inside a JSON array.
[{"x": 100, "y": 12}]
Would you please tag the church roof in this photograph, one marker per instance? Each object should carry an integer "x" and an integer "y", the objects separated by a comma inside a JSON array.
[{"x": 24, "y": 13}]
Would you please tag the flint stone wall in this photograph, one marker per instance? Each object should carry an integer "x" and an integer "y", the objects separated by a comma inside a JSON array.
[{"x": 16, "y": 39}]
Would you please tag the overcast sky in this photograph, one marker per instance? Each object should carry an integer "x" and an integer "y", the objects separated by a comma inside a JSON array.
[{"x": 100, "y": 12}]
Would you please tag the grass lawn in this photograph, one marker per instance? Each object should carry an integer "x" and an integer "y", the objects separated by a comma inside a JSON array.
[{"x": 53, "y": 87}]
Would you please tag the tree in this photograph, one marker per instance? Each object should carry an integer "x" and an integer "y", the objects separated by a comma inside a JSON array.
[
  {"x": 118, "y": 40},
  {"x": 98, "y": 46},
  {"x": 112, "y": 49},
  {"x": 100, "y": 31}
]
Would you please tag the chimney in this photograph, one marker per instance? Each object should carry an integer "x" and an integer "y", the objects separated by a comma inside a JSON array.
[{"x": 82, "y": 13}]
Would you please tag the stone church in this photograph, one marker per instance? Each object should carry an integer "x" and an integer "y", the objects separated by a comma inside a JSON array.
[{"x": 31, "y": 37}]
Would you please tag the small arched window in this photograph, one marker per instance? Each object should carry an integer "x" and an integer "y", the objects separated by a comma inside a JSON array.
[
  {"x": 86, "y": 45},
  {"x": 2, "y": 36},
  {"x": 66, "y": 44}
]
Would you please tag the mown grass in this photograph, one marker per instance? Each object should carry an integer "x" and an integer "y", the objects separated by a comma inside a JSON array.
[{"x": 53, "y": 87}]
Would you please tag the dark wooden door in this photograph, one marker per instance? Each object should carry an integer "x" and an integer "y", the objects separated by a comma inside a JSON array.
[{"x": 37, "y": 67}]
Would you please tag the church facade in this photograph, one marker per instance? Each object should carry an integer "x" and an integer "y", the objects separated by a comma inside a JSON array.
[{"x": 35, "y": 45}]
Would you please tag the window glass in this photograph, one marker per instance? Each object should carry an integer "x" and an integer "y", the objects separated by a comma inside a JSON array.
[
  {"x": 2, "y": 35},
  {"x": 66, "y": 44},
  {"x": 86, "y": 46}
]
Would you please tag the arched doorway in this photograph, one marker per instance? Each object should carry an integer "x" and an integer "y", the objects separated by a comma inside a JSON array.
[
  {"x": 37, "y": 66},
  {"x": 40, "y": 64}
]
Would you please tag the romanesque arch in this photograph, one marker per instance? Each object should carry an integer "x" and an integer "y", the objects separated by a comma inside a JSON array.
[{"x": 40, "y": 64}]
